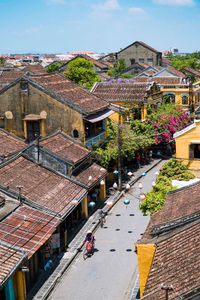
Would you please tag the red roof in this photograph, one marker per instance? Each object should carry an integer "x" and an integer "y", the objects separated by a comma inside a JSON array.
[
  {"x": 10, "y": 144},
  {"x": 10, "y": 257},
  {"x": 41, "y": 185},
  {"x": 28, "y": 228},
  {"x": 65, "y": 146},
  {"x": 70, "y": 91}
]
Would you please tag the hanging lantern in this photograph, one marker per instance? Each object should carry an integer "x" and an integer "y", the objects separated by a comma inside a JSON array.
[
  {"x": 109, "y": 203},
  {"x": 115, "y": 172},
  {"x": 126, "y": 201},
  {"x": 102, "y": 182},
  {"x": 142, "y": 197},
  {"x": 153, "y": 184},
  {"x": 140, "y": 186},
  {"x": 128, "y": 186},
  {"x": 130, "y": 174},
  {"x": 115, "y": 185},
  {"x": 90, "y": 177},
  {"x": 74, "y": 202},
  {"x": 91, "y": 204},
  {"x": 144, "y": 174}
]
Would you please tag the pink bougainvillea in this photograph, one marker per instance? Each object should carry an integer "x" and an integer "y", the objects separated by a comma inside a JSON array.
[{"x": 165, "y": 124}]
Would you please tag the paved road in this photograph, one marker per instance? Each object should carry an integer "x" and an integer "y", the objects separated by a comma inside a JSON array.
[{"x": 111, "y": 272}]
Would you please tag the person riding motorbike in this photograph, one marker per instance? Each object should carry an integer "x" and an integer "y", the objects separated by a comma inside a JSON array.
[{"x": 89, "y": 238}]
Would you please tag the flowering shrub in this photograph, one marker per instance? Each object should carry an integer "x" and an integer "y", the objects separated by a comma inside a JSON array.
[
  {"x": 163, "y": 123},
  {"x": 166, "y": 123}
]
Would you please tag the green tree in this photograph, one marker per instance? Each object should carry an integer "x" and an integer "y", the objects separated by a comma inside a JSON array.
[
  {"x": 119, "y": 66},
  {"x": 80, "y": 71},
  {"x": 52, "y": 68},
  {"x": 2, "y": 61},
  {"x": 189, "y": 60}
]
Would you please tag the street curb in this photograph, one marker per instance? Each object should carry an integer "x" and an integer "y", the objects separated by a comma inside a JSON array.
[{"x": 115, "y": 198}]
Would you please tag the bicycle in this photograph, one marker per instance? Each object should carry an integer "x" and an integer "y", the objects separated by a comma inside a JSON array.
[{"x": 102, "y": 218}]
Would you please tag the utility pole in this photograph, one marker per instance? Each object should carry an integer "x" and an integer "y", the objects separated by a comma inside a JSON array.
[
  {"x": 119, "y": 154},
  {"x": 166, "y": 289}
]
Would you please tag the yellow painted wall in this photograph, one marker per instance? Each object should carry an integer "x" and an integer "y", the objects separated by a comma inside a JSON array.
[
  {"x": 182, "y": 146},
  {"x": 145, "y": 253}
]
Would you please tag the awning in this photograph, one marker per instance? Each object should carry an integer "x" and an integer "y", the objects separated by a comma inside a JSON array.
[
  {"x": 32, "y": 117},
  {"x": 99, "y": 116}
]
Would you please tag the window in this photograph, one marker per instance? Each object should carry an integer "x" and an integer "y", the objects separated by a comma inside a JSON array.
[
  {"x": 196, "y": 151},
  {"x": 185, "y": 100},
  {"x": 75, "y": 133},
  {"x": 149, "y": 60},
  {"x": 24, "y": 87},
  {"x": 141, "y": 60},
  {"x": 132, "y": 60}
]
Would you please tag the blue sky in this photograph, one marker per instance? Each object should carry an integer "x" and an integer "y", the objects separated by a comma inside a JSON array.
[{"x": 60, "y": 26}]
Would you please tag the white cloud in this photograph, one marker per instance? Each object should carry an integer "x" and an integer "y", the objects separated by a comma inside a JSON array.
[
  {"x": 108, "y": 5},
  {"x": 175, "y": 2},
  {"x": 104, "y": 9},
  {"x": 137, "y": 11}
]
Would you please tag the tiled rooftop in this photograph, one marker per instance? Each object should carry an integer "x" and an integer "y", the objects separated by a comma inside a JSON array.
[
  {"x": 9, "y": 76},
  {"x": 96, "y": 172},
  {"x": 70, "y": 91},
  {"x": 178, "y": 204},
  {"x": 64, "y": 146},
  {"x": 159, "y": 80},
  {"x": 10, "y": 144},
  {"x": 42, "y": 186},
  {"x": 34, "y": 69},
  {"x": 9, "y": 258},
  {"x": 121, "y": 91},
  {"x": 176, "y": 262},
  {"x": 28, "y": 228}
]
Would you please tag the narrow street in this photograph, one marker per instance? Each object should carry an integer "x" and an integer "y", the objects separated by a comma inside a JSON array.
[{"x": 110, "y": 274}]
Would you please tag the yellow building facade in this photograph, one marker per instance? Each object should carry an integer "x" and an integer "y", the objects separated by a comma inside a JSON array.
[
  {"x": 188, "y": 145},
  {"x": 179, "y": 94}
]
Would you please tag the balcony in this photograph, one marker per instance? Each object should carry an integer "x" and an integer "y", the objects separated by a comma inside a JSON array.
[{"x": 96, "y": 140}]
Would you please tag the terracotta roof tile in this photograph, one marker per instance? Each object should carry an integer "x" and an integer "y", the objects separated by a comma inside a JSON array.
[
  {"x": 178, "y": 204},
  {"x": 9, "y": 76},
  {"x": 143, "y": 65},
  {"x": 95, "y": 62},
  {"x": 28, "y": 228},
  {"x": 34, "y": 69},
  {"x": 175, "y": 71},
  {"x": 176, "y": 262},
  {"x": 191, "y": 70},
  {"x": 95, "y": 171},
  {"x": 121, "y": 91},
  {"x": 71, "y": 92},
  {"x": 41, "y": 185},
  {"x": 9, "y": 144},
  {"x": 64, "y": 146},
  {"x": 159, "y": 80},
  {"x": 9, "y": 258},
  {"x": 147, "y": 46}
]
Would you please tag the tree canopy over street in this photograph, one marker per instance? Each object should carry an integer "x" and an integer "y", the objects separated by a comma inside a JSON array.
[{"x": 80, "y": 71}]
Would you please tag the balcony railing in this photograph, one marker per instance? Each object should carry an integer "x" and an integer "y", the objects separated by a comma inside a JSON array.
[{"x": 96, "y": 140}]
